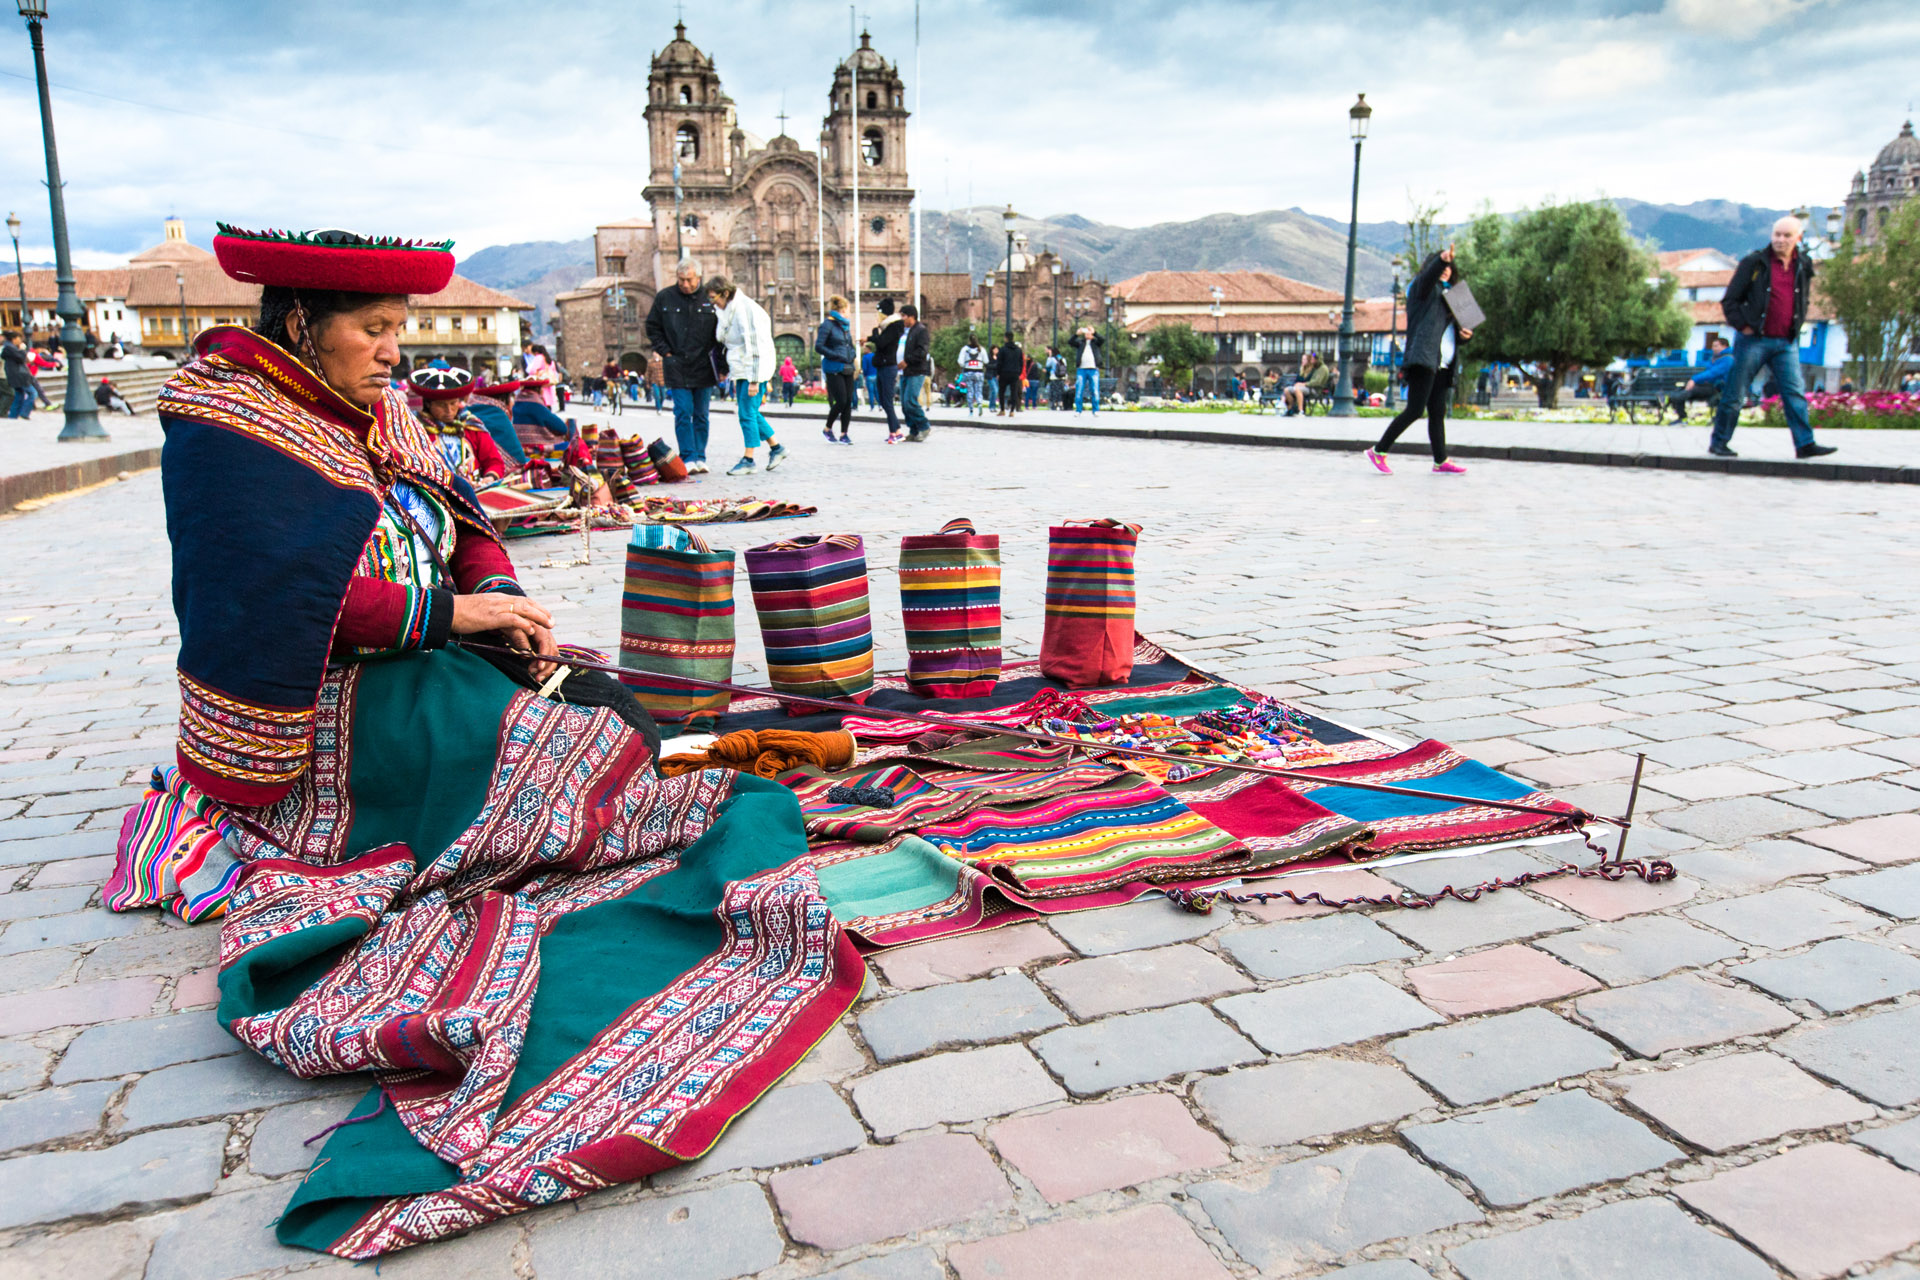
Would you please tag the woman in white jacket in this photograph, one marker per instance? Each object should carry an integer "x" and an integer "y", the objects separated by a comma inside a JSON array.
[{"x": 746, "y": 331}]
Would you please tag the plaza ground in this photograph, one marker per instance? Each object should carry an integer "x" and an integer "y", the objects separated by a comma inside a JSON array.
[{"x": 1713, "y": 1077}]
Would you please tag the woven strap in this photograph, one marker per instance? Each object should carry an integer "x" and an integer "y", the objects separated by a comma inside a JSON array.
[
  {"x": 959, "y": 525},
  {"x": 1103, "y": 524},
  {"x": 848, "y": 541}
]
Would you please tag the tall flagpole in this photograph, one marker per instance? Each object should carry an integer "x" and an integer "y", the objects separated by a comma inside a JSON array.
[
  {"x": 820, "y": 225},
  {"x": 853, "y": 66},
  {"x": 919, "y": 206}
]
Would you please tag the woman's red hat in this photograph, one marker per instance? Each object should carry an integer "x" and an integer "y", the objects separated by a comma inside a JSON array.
[
  {"x": 334, "y": 259},
  {"x": 440, "y": 384},
  {"x": 499, "y": 388}
]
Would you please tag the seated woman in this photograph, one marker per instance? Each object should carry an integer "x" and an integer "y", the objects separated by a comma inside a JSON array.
[
  {"x": 467, "y": 447},
  {"x": 541, "y": 428},
  {"x": 455, "y": 869},
  {"x": 488, "y": 407},
  {"x": 1316, "y": 376}
]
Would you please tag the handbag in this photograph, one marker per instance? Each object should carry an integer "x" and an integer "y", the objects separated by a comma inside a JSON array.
[
  {"x": 1088, "y": 635},
  {"x": 950, "y": 608},
  {"x": 676, "y": 618},
  {"x": 717, "y": 361},
  {"x": 667, "y": 463},
  {"x": 815, "y": 615}
]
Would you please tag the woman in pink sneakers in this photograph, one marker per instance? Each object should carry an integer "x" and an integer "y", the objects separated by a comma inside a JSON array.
[{"x": 1432, "y": 360}]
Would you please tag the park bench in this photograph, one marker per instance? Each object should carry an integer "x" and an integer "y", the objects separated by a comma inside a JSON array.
[{"x": 1650, "y": 386}]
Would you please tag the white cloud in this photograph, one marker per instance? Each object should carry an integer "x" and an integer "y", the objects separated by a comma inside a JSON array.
[{"x": 1735, "y": 17}]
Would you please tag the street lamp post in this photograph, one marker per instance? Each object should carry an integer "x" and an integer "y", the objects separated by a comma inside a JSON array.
[
  {"x": 180, "y": 283},
  {"x": 83, "y": 419},
  {"x": 19, "y": 275},
  {"x": 1393, "y": 342},
  {"x": 1055, "y": 268},
  {"x": 1008, "y": 217},
  {"x": 1357, "y": 117}
]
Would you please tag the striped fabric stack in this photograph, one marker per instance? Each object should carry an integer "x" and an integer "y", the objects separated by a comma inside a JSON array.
[
  {"x": 676, "y": 618},
  {"x": 612, "y": 466},
  {"x": 1088, "y": 639},
  {"x": 811, "y": 595},
  {"x": 639, "y": 464},
  {"x": 950, "y": 607}
]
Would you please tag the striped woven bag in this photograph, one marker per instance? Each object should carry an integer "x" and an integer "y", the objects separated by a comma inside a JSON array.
[
  {"x": 950, "y": 606},
  {"x": 667, "y": 462},
  {"x": 612, "y": 466},
  {"x": 676, "y": 619},
  {"x": 1088, "y": 638},
  {"x": 640, "y": 470},
  {"x": 811, "y": 595}
]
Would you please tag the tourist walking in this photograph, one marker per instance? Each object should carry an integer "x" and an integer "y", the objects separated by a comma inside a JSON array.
[
  {"x": 39, "y": 361},
  {"x": 916, "y": 366},
  {"x": 973, "y": 373},
  {"x": 886, "y": 367},
  {"x": 1087, "y": 349},
  {"x": 1767, "y": 302},
  {"x": 839, "y": 366},
  {"x": 1007, "y": 366},
  {"x": 789, "y": 381},
  {"x": 746, "y": 330},
  {"x": 681, "y": 328},
  {"x": 1431, "y": 363},
  {"x": 19, "y": 383}
]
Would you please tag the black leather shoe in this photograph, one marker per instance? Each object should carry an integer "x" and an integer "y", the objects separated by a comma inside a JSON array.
[
  {"x": 1721, "y": 451},
  {"x": 1816, "y": 451}
]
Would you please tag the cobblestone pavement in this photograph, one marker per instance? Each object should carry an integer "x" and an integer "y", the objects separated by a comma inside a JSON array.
[{"x": 1715, "y": 1077}]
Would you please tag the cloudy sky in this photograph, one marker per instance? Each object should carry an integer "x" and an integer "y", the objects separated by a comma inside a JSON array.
[{"x": 493, "y": 121}]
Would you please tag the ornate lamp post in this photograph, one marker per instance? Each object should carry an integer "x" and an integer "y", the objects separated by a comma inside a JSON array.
[
  {"x": 1008, "y": 218},
  {"x": 1357, "y": 117},
  {"x": 19, "y": 275},
  {"x": 1216, "y": 309},
  {"x": 83, "y": 419},
  {"x": 1393, "y": 342}
]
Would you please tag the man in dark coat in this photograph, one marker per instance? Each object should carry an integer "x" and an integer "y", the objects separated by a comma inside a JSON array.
[
  {"x": 681, "y": 327},
  {"x": 19, "y": 381},
  {"x": 1007, "y": 363},
  {"x": 1766, "y": 302},
  {"x": 916, "y": 365},
  {"x": 886, "y": 366}
]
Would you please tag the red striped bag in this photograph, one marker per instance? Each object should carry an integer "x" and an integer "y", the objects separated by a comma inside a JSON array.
[
  {"x": 950, "y": 609},
  {"x": 1088, "y": 638},
  {"x": 676, "y": 619}
]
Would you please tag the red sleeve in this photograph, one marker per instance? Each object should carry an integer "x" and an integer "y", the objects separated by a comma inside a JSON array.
[
  {"x": 481, "y": 564},
  {"x": 385, "y": 615},
  {"x": 487, "y": 458}
]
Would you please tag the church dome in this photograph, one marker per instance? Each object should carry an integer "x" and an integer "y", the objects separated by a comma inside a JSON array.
[
  {"x": 866, "y": 57},
  {"x": 1903, "y": 150},
  {"x": 681, "y": 51}
]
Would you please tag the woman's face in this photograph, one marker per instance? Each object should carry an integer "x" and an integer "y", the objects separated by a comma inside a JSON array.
[{"x": 358, "y": 349}]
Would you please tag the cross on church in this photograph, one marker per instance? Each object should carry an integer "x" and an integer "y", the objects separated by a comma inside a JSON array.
[{"x": 782, "y": 117}]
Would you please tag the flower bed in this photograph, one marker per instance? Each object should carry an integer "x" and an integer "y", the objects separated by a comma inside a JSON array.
[{"x": 1855, "y": 409}]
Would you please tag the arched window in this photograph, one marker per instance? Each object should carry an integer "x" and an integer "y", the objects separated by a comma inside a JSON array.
[
  {"x": 785, "y": 264},
  {"x": 871, "y": 148},
  {"x": 878, "y": 226},
  {"x": 876, "y": 277},
  {"x": 873, "y": 101},
  {"x": 686, "y": 93},
  {"x": 689, "y": 222},
  {"x": 686, "y": 143}
]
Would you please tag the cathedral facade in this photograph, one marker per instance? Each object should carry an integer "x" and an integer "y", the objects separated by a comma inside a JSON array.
[
  {"x": 776, "y": 217},
  {"x": 1894, "y": 177}
]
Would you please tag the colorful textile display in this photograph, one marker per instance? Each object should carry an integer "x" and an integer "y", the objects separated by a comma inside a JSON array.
[
  {"x": 767, "y": 753},
  {"x": 1088, "y": 637},
  {"x": 811, "y": 595},
  {"x": 676, "y": 618},
  {"x": 670, "y": 510},
  {"x": 639, "y": 464},
  {"x": 173, "y": 853},
  {"x": 950, "y": 608}
]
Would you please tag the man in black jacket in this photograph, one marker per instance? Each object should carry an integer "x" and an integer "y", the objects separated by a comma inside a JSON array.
[
  {"x": 1766, "y": 302},
  {"x": 886, "y": 367},
  {"x": 681, "y": 327},
  {"x": 1008, "y": 362},
  {"x": 916, "y": 365}
]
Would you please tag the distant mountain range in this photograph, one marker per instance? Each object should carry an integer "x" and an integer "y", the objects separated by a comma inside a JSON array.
[{"x": 1290, "y": 242}]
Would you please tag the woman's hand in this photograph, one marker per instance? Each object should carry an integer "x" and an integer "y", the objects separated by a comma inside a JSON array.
[
  {"x": 1446, "y": 254},
  {"x": 1465, "y": 334},
  {"x": 525, "y": 624}
]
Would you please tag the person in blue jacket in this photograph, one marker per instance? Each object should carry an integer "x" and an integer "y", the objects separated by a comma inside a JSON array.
[
  {"x": 1706, "y": 384},
  {"x": 486, "y": 405}
]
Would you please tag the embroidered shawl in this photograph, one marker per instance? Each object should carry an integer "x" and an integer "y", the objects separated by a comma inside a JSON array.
[{"x": 273, "y": 482}]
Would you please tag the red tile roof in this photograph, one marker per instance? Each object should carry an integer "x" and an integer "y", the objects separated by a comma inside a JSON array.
[
  {"x": 1369, "y": 316},
  {"x": 1196, "y": 287}
]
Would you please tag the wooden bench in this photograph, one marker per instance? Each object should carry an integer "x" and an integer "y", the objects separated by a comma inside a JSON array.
[{"x": 1650, "y": 386}]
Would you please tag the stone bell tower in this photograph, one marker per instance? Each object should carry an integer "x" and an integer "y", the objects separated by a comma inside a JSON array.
[{"x": 875, "y": 151}]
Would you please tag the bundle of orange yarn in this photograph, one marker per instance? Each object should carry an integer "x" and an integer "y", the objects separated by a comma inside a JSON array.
[{"x": 766, "y": 752}]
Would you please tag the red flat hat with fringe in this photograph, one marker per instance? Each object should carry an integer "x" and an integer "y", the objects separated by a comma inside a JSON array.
[
  {"x": 332, "y": 259},
  {"x": 500, "y": 388},
  {"x": 440, "y": 384}
]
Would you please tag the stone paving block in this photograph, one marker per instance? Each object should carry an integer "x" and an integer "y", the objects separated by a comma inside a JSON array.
[
  {"x": 70, "y": 930},
  {"x": 1715, "y": 782},
  {"x": 1137, "y": 1048},
  {"x": 1148, "y": 922},
  {"x": 1817, "y": 1210},
  {"x": 883, "y": 1192},
  {"x": 88, "y": 872},
  {"x": 1286, "y": 1102},
  {"x": 172, "y": 1164},
  {"x": 1566, "y": 1140},
  {"x": 1070, "y": 1152},
  {"x": 959, "y": 1013},
  {"x": 77, "y": 1006},
  {"x": 1503, "y": 978},
  {"x": 792, "y": 1123},
  {"x": 1639, "y": 948},
  {"x": 835, "y": 1058},
  {"x": 166, "y": 953},
  {"x": 1504, "y": 916},
  {"x": 48, "y": 1114},
  {"x": 1899, "y": 1143},
  {"x": 1385, "y": 1269},
  {"x": 1761, "y": 862},
  {"x": 1148, "y": 1242},
  {"x": 34, "y": 970},
  {"x": 1722, "y": 1103},
  {"x": 1489, "y": 1058},
  {"x": 481, "y": 1254},
  {"x": 1893, "y": 893},
  {"x": 1786, "y": 917},
  {"x": 1858, "y": 799},
  {"x": 224, "y": 1237},
  {"x": 24, "y": 903},
  {"x": 117, "y": 1251},
  {"x": 1434, "y": 874},
  {"x": 221, "y": 1086},
  {"x": 1331, "y": 885},
  {"x": 1295, "y": 948},
  {"x": 1815, "y": 768},
  {"x": 1650, "y": 1239},
  {"x": 1744, "y": 818},
  {"x": 1691, "y": 753},
  {"x": 1312, "y": 1211},
  {"x": 1894, "y": 838},
  {"x": 1839, "y": 975},
  {"x": 145, "y": 1044},
  {"x": 22, "y": 1065},
  {"x": 712, "y": 1234},
  {"x": 904, "y": 1264},
  {"x": 1142, "y": 979},
  {"x": 952, "y": 1088},
  {"x": 971, "y": 955},
  {"x": 1873, "y": 1056},
  {"x": 1325, "y": 1013},
  {"x": 279, "y": 1143},
  {"x": 197, "y": 990},
  {"x": 1683, "y": 1012},
  {"x": 1616, "y": 899}
]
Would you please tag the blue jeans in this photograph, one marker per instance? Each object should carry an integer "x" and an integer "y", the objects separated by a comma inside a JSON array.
[
  {"x": 873, "y": 390},
  {"x": 754, "y": 427},
  {"x": 1752, "y": 353},
  {"x": 690, "y": 421},
  {"x": 22, "y": 405},
  {"x": 1086, "y": 389},
  {"x": 884, "y": 382},
  {"x": 975, "y": 382},
  {"x": 910, "y": 387}
]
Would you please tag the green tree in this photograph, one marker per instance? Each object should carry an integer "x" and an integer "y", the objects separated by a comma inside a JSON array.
[
  {"x": 1118, "y": 350},
  {"x": 1566, "y": 287},
  {"x": 1875, "y": 294},
  {"x": 1425, "y": 235},
  {"x": 1179, "y": 349}
]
